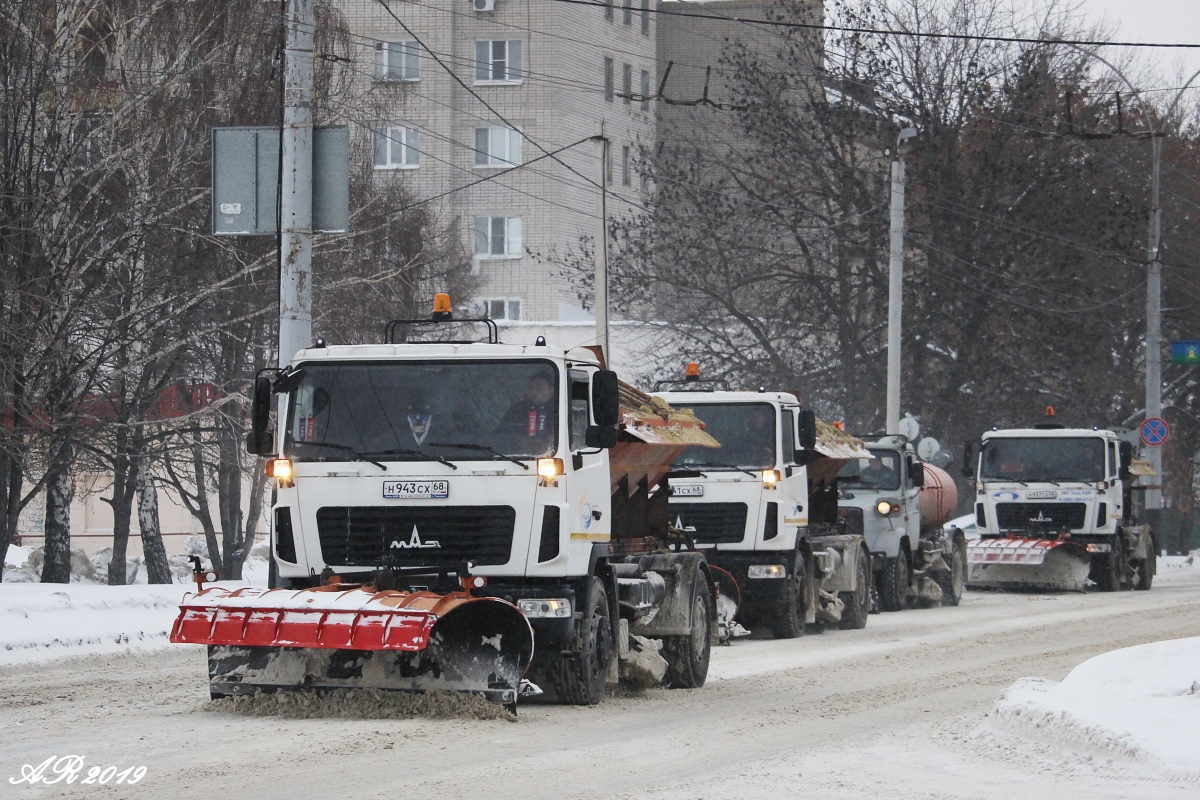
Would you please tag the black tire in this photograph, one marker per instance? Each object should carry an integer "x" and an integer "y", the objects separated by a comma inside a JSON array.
[
  {"x": 688, "y": 656},
  {"x": 789, "y": 609},
  {"x": 893, "y": 589},
  {"x": 1109, "y": 568},
  {"x": 579, "y": 678},
  {"x": 856, "y": 605},
  {"x": 955, "y": 581}
]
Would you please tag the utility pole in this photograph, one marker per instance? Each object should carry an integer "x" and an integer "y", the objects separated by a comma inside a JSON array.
[
  {"x": 896, "y": 282},
  {"x": 600, "y": 247},
  {"x": 296, "y": 181},
  {"x": 1153, "y": 502}
]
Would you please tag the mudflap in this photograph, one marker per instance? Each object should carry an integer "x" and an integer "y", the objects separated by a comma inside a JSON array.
[
  {"x": 1033, "y": 564},
  {"x": 263, "y": 644}
]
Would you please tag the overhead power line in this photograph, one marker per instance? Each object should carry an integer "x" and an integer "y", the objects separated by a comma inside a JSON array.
[{"x": 820, "y": 26}]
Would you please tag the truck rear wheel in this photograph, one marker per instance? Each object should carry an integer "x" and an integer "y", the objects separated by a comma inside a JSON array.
[
  {"x": 687, "y": 656},
  {"x": 579, "y": 677},
  {"x": 954, "y": 581},
  {"x": 789, "y": 607},
  {"x": 856, "y": 605},
  {"x": 893, "y": 589}
]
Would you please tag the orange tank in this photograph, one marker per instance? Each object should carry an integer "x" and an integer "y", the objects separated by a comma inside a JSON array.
[{"x": 939, "y": 497}]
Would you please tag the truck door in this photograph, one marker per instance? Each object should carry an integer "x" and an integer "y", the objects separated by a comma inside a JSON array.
[
  {"x": 583, "y": 510},
  {"x": 912, "y": 499},
  {"x": 791, "y": 513}
]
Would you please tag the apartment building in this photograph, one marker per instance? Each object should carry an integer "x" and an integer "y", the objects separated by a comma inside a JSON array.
[{"x": 489, "y": 85}]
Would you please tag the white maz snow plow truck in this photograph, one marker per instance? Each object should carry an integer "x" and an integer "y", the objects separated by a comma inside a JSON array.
[
  {"x": 426, "y": 491},
  {"x": 1053, "y": 508},
  {"x": 900, "y": 504},
  {"x": 763, "y": 507}
]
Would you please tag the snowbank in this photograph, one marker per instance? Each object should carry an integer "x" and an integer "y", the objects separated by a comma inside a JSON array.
[
  {"x": 1137, "y": 709},
  {"x": 41, "y": 621}
]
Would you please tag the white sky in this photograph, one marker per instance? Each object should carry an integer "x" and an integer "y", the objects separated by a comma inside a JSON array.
[{"x": 1154, "y": 21}]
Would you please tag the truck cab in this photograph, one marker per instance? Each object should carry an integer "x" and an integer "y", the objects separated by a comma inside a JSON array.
[
  {"x": 899, "y": 504},
  {"x": 750, "y": 505}
]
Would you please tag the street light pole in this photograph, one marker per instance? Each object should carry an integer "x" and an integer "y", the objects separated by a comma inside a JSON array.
[{"x": 896, "y": 282}]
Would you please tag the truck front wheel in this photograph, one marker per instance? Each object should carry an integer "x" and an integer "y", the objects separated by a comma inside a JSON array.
[
  {"x": 687, "y": 656},
  {"x": 952, "y": 582},
  {"x": 856, "y": 605},
  {"x": 893, "y": 589},
  {"x": 1108, "y": 569},
  {"x": 790, "y": 606},
  {"x": 579, "y": 677}
]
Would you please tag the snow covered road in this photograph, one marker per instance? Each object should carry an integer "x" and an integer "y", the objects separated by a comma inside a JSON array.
[{"x": 903, "y": 708}]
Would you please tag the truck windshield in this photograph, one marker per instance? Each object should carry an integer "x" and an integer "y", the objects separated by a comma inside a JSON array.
[
  {"x": 404, "y": 411},
  {"x": 1042, "y": 459},
  {"x": 881, "y": 472},
  {"x": 746, "y": 432}
]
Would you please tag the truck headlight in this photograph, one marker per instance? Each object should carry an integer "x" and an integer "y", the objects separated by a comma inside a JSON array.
[
  {"x": 770, "y": 478},
  {"x": 759, "y": 571},
  {"x": 549, "y": 468},
  {"x": 1099, "y": 548},
  {"x": 886, "y": 507},
  {"x": 545, "y": 607},
  {"x": 280, "y": 469}
]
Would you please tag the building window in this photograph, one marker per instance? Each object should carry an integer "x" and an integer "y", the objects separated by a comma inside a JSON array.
[
  {"x": 497, "y": 237},
  {"x": 397, "y": 61},
  {"x": 645, "y": 17},
  {"x": 627, "y": 11},
  {"x": 397, "y": 147},
  {"x": 608, "y": 165},
  {"x": 498, "y": 61},
  {"x": 608, "y": 79},
  {"x": 502, "y": 308},
  {"x": 627, "y": 83},
  {"x": 625, "y": 165},
  {"x": 645, "y": 90},
  {"x": 497, "y": 147},
  {"x": 608, "y": 9}
]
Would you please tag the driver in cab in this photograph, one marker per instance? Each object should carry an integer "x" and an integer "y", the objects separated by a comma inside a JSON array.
[{"x": 529, "y": 423}]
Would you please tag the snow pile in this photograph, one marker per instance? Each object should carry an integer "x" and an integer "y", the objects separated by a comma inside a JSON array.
[
  {"x": 48, "y": 620},
  {"x": 54, "y": 620},
  {"x": 24, "y": 564},
  {"x": 1136, "y": 710}
]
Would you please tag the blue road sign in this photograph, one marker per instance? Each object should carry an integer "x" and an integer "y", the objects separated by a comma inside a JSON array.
[{"x": 1154, "y": 431}]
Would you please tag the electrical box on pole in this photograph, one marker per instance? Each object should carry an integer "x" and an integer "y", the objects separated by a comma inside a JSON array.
[{"x": 245, "y": 180}]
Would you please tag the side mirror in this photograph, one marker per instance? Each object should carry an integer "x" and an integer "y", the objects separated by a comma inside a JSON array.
[
  {"x": 803, "y": 458},
  {"x": 968, "y": 467},
  {"x": 606, "y": 399},
  {"x": 806, "y": 429},
  {"x": 1126, "y": 450},
  {"x": 259, "y": 440},
  {"x": 602, "y": 437},
  {"x": 916, "y": 472}
]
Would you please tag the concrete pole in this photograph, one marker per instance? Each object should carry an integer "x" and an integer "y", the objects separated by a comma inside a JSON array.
[
  {"x": 600, "y": 247},
  {"x": 1154, "y": 325},
  {"x": 895, "y": 295},
  {"x": 295, "y": 200}
]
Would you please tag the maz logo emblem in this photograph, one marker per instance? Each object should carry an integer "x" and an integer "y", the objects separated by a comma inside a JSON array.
[{"x": 414, "y": 542}]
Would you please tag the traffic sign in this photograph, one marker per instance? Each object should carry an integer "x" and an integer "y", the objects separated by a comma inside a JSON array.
[
  {"x": 1185, "y": 352},
  {"x": 1154, "y": 431}
]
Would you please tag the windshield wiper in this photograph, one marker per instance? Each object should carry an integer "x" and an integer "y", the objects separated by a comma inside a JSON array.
[
  {"x": 484, "y": 448},
  {"x": 723, "y": 466},
  {"x": 407, "y": 452},
  {"x": 350, "y": 450}
]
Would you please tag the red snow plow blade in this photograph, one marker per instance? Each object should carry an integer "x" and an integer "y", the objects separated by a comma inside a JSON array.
[
  {"x": 338, "y": 638},
  {"x": 1011, "y": 563}
]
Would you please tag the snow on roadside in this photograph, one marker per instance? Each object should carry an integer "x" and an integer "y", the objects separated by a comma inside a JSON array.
[
  {"x": 43, "y": 621},
  {"x": 1135, "y": 710}
]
